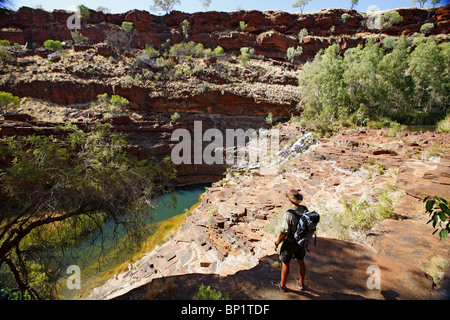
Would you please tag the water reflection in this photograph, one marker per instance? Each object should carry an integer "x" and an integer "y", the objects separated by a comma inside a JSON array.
[{"x": 110, "y": 251}]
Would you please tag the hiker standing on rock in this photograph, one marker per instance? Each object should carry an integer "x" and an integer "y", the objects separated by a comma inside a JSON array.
[{"x": 297, "y": 228}]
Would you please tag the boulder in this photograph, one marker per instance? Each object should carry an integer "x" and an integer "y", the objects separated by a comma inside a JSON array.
[{"x": 54, "y": 56}]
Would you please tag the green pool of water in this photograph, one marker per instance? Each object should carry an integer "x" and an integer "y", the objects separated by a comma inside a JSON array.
[{"x": 109, "y": 252}]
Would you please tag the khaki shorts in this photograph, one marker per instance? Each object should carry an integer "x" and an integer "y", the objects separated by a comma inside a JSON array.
[{"x": 291, "y": 249}]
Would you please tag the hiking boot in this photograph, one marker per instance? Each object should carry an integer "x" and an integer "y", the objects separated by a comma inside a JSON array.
[
  {"x": 277, "y": 285},
  {"x": 301, "y": 287}
]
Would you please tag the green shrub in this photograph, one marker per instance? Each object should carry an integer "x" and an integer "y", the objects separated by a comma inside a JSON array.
[
  {"x": 208, "y": 293},
  {"x": 444, "y": 125},
  {"x": 426, "y": 28},
  {"x": 112, "y": 105},
  {"x": 202, "y": 87},
  {"x": 245, "y": 58},
  {"x": 5, "y": 54},
  {"x": 175, "y": 117},
  {"x": 246, "y": 54},
  {"x": 361, "y": 116},
  {"x": 249, "y": 51},
  {"x": 187, "y": 71},
  {"x": 178, "y": 73},
  {"x": 103, "y": 98},
  {"x": 191, "y": 48},
  {"x": 148, "y": 74},
  {"x": 345, "y": 16},
  {"x": 389, "y": 42},
  {"x": 151, "y": 52},
  {"x": 5, "y": 43},
  {"x": 78, "y": 37},
  {"x": 53, "y": 44},
  {"x": 165, "y": 47},
  {"x": 84, "y": 11},
  {"x": 302, "y": 35},
  {"x": 127, "y": 26},
  {"x": 242, "y": 25},
  {"x": 436, "y": 268},
  {"x": 378, "y": 124},
  {"x": 219, "y": 51},
  {"x": 293, "y": 53},
  {"x": 128, "y": 82},
  {"x": 390, "y": 18},
  {"x": 185, "y": 27},
  {"x": 7, "y": 99},
  {"x": 269, "y": 119},
  {"x": 362, "y": 215},
  {"x": 395, "y": 129},
  {"x": 404, "y": 85},
  {"x": 118, "y": 101}
]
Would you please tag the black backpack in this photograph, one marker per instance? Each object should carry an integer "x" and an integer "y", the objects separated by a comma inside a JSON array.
[{"x": 306, "y": 226}]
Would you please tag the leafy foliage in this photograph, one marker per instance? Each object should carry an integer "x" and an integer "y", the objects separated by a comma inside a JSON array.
[
  {"x": 269, "y": 119},
  {"x": 112, "y": 105},
  {"x": 185, "y": 27},
  {"x": 191, "y": 48},
  {"x": 293, "y": 53},
  {"x": 407, "y": 85},
  {"x": 206, "y": 4},
  {"x": 7, "y": 99},
  {"x": 83, "y": 11},
  {"x": 422, "y": 2},
  {"x": 390, "y": 18},
  {"x": 301, "y": 4},
  {"x": 302, "y": 35},
  {"x": 438, "y": 209},
  {"x": 151, "y": 52},
  {"x": 164, "y": 5},
  {"x": 246, "y": 54},
  {"x": 242, "y": 25},
  {"x": 52, "y": 44},
  {"x": 53, "y": 191},
  {"x": 175, "y": 117},
  {"x": 127, "y": 26},
  {"x": 119, "y": 101},
  {"x": 444, "y": 125},
  {"x": 426, "y": 28},
  {"x": 208, "y": 293},
  {"x": 78, "y": 37}
]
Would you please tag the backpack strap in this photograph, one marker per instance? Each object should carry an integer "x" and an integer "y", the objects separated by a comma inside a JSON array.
[{"x": 299, "y": 211}]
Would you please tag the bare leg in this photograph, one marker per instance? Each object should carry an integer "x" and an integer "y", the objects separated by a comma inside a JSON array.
[
  {"x": 301, "y": 271},
  {"x": 284, "y": 274}
]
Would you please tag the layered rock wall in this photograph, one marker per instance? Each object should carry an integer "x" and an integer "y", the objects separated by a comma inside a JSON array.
[{"x": 270, "y": 32}]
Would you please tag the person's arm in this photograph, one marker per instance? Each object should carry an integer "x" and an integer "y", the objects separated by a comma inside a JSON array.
[
  {"x": 280, "y": 239},
  {"x": 284, "y": 230}
]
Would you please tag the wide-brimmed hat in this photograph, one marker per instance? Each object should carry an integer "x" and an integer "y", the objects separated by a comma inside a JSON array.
[{"x": 295, "y": 196}]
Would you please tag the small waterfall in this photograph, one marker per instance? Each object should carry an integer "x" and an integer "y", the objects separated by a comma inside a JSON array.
[
  {"x": 275, "y": 158},
  {"x": 301, "y": 145}
]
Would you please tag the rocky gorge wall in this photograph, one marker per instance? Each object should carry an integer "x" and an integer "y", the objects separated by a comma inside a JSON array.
[
  {"x": 271, "y": 33},
  {"x": 240, "y": 98}
]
